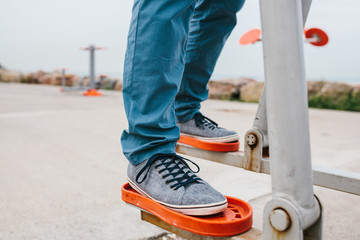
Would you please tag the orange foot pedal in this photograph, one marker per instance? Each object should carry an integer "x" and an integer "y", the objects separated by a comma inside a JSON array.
[
  {"x": 236, "y": 219},
  {"x": 210, "y": 146},
  {"x": 92, "y": 92}
]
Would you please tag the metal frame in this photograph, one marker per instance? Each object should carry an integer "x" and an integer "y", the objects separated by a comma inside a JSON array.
[
  {"x": 293, "y": 213},
  {"x": 331, "y": 178},
  {"x": 293, "y": 207}
]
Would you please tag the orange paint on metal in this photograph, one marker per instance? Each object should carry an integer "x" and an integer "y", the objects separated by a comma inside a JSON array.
[
  {"x": 323, "y": 38},
  {"x": 210, "y": 146},
  {"x": 92, "y": 92},
  {"x": 251, "y": 36},
  {"x": 236, "y": 219}
]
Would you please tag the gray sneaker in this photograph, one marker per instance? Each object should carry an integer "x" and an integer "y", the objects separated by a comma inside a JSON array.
[
  {"x": 203, "y": 128},
  {"x": 168, "y": 180}
]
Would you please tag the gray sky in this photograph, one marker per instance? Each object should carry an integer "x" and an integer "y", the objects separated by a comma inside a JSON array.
[{"x": 47, "y": 34}]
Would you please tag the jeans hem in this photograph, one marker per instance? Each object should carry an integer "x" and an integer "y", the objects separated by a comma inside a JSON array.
[{"x": 141, "y": 157}]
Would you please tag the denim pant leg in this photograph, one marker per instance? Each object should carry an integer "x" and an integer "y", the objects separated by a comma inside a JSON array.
[
  {"x": 154, "y": 63},
  {"x": 210, "y": 27}
]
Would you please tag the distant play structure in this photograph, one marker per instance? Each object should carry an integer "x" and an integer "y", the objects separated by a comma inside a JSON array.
[
  {"x": 282, "y": 124},
  {"x": 92, "y": 89}
]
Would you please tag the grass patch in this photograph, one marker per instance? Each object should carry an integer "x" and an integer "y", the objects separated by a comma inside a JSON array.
[{"x": 349, "y": 102}]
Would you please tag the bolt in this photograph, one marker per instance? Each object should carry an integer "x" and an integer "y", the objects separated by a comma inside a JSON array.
[
  {"x": 251, "y": 139},
  {"x": 279, "y": 219}
]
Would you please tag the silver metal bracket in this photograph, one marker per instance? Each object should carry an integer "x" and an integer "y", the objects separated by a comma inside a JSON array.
[
  {"x": 253, "y": 150},
  {"x": 284, "y": 220}
]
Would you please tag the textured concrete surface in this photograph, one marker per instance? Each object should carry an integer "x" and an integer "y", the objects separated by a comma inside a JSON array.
[{"x": 61, "y": 166}]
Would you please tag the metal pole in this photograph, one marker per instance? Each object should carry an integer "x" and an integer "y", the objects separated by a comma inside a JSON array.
[
  {"x": 287, "y": 106},
  {"x": 63, "y": 79},
  {"x": 305, "y": 9},
  {"x": 260, "y": 121},
  {"x": 92, "y": 67}
]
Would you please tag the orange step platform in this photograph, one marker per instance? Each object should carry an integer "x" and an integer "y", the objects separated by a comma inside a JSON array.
[
  {"x": 210, "y": 146},
  {"x": 236, "y": 219},
  {"x": 92, "y": 92}
]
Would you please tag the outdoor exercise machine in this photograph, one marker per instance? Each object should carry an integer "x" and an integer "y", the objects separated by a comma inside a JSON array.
[
  {"x": 282, "y": 123},
  {"x": 90, "y": 90}
]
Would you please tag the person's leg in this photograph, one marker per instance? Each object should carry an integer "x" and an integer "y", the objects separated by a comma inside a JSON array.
[
  {"x": 153, "y": 70},
  {"x": 210, "y": 27},
  {"x": 154, "y": 63}
]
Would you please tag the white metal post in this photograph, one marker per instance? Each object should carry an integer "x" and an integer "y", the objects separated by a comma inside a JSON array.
[
  {"x": 92, "y": 66},
  {"x": 63, "y": 78},
  {"x": 260, "y": 122},
  {"x": 306, "y": 4},
  {"x": 287, "y": 107}
]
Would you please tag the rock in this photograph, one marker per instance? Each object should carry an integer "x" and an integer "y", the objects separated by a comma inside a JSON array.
[
  {"x": 251, "y": 92},
  {"x": 335, "y": 89},
  {"x": 108, "y": 84},
  {"x": 333, "y": 95},
  {"x": 45, "y": 79},
  {"x": 355, "y": 99},
  {"x": 227, "y": 88},
  {"x": 118, "y": 85},
  {"x": 72, "y": 79},
  {"x": 314, "y": 87},
  {"x": 54, "y": 78},
  {"x": 337, "y": 92},
  {"x": 34, "y": 77},
  {"x": 85, "y": 81},
  {"x": 10, "y": 76},
  {"x": 356, "y": 89}
]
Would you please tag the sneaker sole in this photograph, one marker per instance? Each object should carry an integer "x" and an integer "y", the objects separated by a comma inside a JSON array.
[
  {"x": 194, "y": 210},
  {"x": 225, "y": 139}
]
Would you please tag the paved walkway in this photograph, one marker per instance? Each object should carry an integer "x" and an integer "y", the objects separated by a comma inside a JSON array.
[{"x": 61, "y": 166}]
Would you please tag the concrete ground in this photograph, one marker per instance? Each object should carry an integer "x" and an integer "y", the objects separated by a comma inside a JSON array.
[{"x": 61, "y": 166}]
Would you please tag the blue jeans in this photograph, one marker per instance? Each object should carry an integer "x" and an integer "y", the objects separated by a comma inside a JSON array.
[{"x": 173, "y": 46}]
